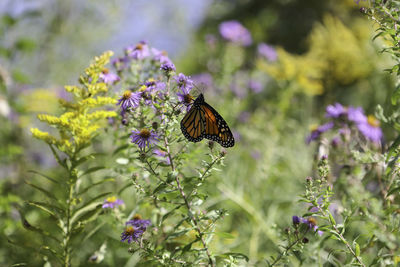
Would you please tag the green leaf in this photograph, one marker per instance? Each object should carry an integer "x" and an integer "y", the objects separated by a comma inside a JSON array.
[
  {"x": 54, "y": 211},
  {"x": 225, "y": 235},
  {"x": 47, "y": 193},
  {"x": 95, "y": 184},
  {"x": 116, "y": 151},
  {"x": 20, "y": 77},
  {"x": 57, "y": 157},
  {"x": 45, "y": 176},
  {"x": 357, "y": 248},
  {"x": 234, "y": 255},
  {"x": 88, "y": 207},
  {"x": 93, "y": 169}
]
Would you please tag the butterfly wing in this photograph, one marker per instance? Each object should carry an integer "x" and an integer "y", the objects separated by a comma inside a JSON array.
[
  {"x": 215, "y": 127},
  {"x": 192, "y": 125}
]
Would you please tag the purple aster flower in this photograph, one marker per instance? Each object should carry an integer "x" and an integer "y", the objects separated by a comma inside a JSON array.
[
  {"x": 168, "y": 67},
  {"x": 129, "y": 100},
  {"x": 185, "y": 97},
  {"x": 161, "y": 56},
  {"x": 138, "y": 222},
  {"x": 267, "y": 51},
  {"x": 356, "y": 115},
  {"x": 140, "y": 51},
  {"x": 234, "y": 32},
  {"x": 335, "y": 111},
  {"x": 316, "y": 133},
  {"x": 109, "y": 77},
  {"x": 132, "y": 233},
  {"x": 295, "y": 219},
  {"x": 162, "y": 154},
  {"x": 144, "y": 138},
  {"x": 112, "y": 202},
  {"x": 371, "y": 129},
  {"x": 183, "y": 82},
  {"x": 255, "y": 86}
]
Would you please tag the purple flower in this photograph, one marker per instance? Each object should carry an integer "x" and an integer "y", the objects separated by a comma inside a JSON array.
[
  {"x": 267, "y": 51},
  {"x": 295, "y": 219},
  {"x": 144, "y": 138},
  {"x": 112, "y": 202},
  {"x": 335, "y": 111},
  {"x": 162, "y": 154},
  {"x": 161, "y": 56},
  {"x": 356, "y": 115},
  {"x": 109, "y": 77},
  {"x": 316, "y": 133},
  {"x": 140, "y": 51},
  {"x": 371, "y": 129},
  {"x": 185, "y": 97},
  {"x": 183, "y": 82},
  {"x": 129, "y": 100},
  {"x": 168, "y": 67},
  {"x": 234, "y": 32},
  {"x": 255, "y": 86},
  {"x": 132, "y": 233},
  {"x": 138, "y": 222}
]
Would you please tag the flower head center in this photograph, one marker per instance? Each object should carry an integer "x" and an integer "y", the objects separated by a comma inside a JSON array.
[
  {"x": 129, "y": 230},
  {"x": 187, "y": 99},
  {"x": 127, "y": 94},
  {"x": 144, "y": 133},
  {"x": 111, "y": 199},
  {"x": 373, "y": 121},
  {"x": 312, "y": 221},
  {"x": 139, "y": 47},
  {"x": 137, "y": 217},
  {"x": 105, "y": 71}
]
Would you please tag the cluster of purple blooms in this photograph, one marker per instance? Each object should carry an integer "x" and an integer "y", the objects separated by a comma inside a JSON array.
[
  {"x": 134, "y": 229},
  {"x": 151, "y": 92},
  {"x": 343, "y": 118},
  {"x": 310, "y": 222}
]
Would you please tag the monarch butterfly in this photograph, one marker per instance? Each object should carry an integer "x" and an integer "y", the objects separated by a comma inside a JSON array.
[{"x": 203, "y": 121}]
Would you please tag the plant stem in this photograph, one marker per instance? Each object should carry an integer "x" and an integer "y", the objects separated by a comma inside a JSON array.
[
  {"x": 283, "y": 253},
  {"x": 67, "y": 232},
  {"x": 188, "y": 206}
]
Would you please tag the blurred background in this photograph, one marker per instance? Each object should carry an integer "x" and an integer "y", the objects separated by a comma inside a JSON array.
[{"x": 272, "y": 87}]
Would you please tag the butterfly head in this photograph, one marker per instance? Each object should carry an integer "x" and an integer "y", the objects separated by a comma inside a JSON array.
[{"x": 199, "y": 99}]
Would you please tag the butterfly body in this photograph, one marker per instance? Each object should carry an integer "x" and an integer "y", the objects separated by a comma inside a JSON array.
[{"x": 203, "y": 121}]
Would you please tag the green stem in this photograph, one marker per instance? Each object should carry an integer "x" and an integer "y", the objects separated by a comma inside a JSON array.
[{"x": 67, "y": 232}]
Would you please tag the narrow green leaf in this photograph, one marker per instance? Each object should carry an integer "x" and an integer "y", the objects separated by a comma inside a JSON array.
[
  {"x": 88, "y": 207},
  {"x": 47, "y": 193},
  {"x": 95, "y": 184},
  {"x": 116, "y": 151},
  {"x": 235, "y": 255},
  {"x": 357, "y": 249},
  {"x": 57, "y": 157},
  {"x": 45, "y": 176},
  {"x": 48, "y": 208},
  {"x": 93, "y": 169}
]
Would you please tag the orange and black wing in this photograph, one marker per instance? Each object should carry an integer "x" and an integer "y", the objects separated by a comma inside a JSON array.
[
  {"x": 215, "y": 127},
  {"x": 192, "y": 125}
]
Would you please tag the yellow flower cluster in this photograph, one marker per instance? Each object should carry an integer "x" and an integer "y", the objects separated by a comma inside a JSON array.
[
  {"x": 79, "y": 123},
  {"x": 337, "y": 55}
]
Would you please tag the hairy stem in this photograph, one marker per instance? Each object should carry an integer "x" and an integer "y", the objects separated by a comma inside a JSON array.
[{"x": 189, "y": 207}]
